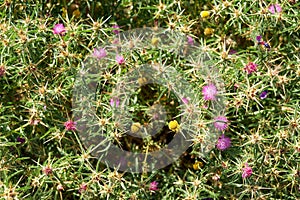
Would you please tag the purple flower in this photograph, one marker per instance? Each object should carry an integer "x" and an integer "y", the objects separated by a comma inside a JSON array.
[
  {"x": 21, "y": 140},
  {"x": 267, "y": 45},
  {"x": 190, "y": 40},
  {"x": 264, "y": 94},
  {"x": 59, "y": 29},
  {"x": 99, "y": 53},
  {"x": 220, "y": 123},
  {"x": 275, "y": 8},
  {"x": 116, "y": 29},
  {"x": 261, "y": 42},
  {"x": 114, "y": 102},
  {"x": 120, "y": 59},
  {"x": 209, "y": 92},
  {"x": 232, "y": 51},
  {"x": 250, "y": 67},
  {"x": 258, "y": 38},
  {"x": 153, "y": 186},
  {"x": 70, "y": 125},
  {"x": 247, "y": 171},
  {"x": 223, "y": 142}
]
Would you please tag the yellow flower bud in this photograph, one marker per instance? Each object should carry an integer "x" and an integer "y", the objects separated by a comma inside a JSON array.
[
  {"x": 76, "y": 13},
  {"x": 174, "y": 126},
  {"x": 142, "y": 81},
  {"x": 135, "y": 127},
  {"x": 155, "y": 41},
  {"x": 197, "y": 165},
  {"x": 208, "y": 31},
  {"x": 204, "y": 14}
]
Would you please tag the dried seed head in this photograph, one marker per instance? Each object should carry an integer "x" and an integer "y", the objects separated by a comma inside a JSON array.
[
  {"x": 47, "y": 170},
  {"x": 2, "y": 70},
  {"x": 59, "y": 187},
  {"x": 251, "y": 93}
]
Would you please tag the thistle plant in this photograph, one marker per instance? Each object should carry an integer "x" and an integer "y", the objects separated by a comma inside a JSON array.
[{"x": 223, "y": 76}]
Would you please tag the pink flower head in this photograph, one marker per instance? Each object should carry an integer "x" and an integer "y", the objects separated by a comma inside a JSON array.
[
  {"x": 190, "y": 40},
  {"x": 70, "y": 125},
  {"x": 209, "y": 92},
  {"x": 59, "y": 29},
  {"x": 82, "y": 188},
  {"x": 247, "y": 171},
  {"x": 220, "y": 123},
  {"x": 114, "y": 102},
  {"x": 153, "y": 186},
  {"x": 223, "y": 142},
  {"x": 120, "y": 59},
  {"x": 185, "y": 100},
  {"x": 34, "y": 122},
  {"x": 204, "y": 106},
  {"x": 250, "y": 67},
  {"x": 116, "y": 29},
  {"x": 275, "y": 8},
  {"x": 116, "y": 41},
  {"x": 47, "y": 170},
  {"x": 99, "y": 53}
]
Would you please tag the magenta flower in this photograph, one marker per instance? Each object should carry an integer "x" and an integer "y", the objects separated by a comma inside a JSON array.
[
  {"x": 99, "y": 53},
  {"x": 247, "y": 171},
  {"x": 114, "y": 102},
  {"x": 264, "y": 94},
  {"x": 258, "y": 38},
  {"x": 153, "y": 186},
  {"x": 70, "y": 125},
  {"x": 120, "y": 59},
  {"x": 275, "y": 8},
  {"x": 209, "y": 92},
  {"x": 116, "y": 29},
  {"x": 190, "y": 40},
  {"x": 59, "y": 29},
  {"x": 220, "y": 123},
  {"x": 250, "y": 67},
  {"x": 223, "y": 142}
]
